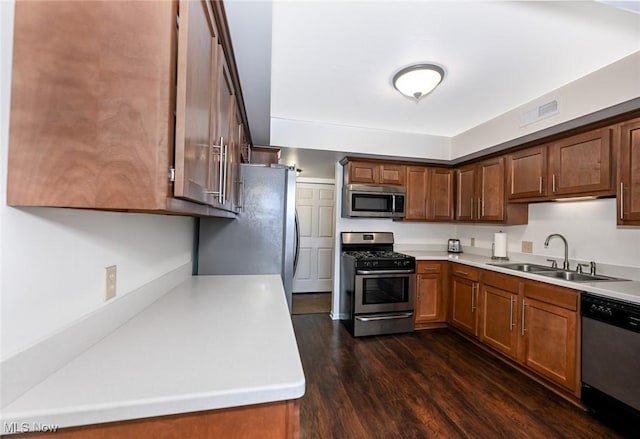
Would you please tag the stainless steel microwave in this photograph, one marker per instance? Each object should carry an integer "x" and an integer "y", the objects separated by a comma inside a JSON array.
[{"x": 373, "y": 201}]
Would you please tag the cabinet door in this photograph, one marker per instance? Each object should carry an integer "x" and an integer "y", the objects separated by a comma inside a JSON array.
[
  {"x": 527, "y": 173},
  {"x": 441, "y": 194},
  {"x": 550, "y": 337},
  {"x": 463, "y": 304},
  {"x": 498, "y": 326},
  {"x": 224, "y": 118},
  {"x": 417, "y": 192},
  {"x": 465, "y": 193},
  {"x": 364, "y": 173},
  {"x": 392, "y": 174},
  {"x": 491, "y": 190},
  {"x": 581, "y": 164},
  {"x": 629, "y": 174},
  {"x": 197, "y": 58}
]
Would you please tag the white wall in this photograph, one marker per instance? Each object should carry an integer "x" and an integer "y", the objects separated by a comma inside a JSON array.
[
  {"x": 616, "y": 83},
  {"x": 314, "y": 135},
  {"x": 52, "y": 260},
  {"x": 589, "y": 226}
]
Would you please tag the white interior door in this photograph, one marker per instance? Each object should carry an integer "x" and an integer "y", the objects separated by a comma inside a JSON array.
[{"x": 315, "y": 204}]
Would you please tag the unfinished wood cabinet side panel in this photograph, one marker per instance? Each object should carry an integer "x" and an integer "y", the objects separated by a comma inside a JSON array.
[
  {"x": 279, "y": 420},
  {"x": 91, "y": 113}
]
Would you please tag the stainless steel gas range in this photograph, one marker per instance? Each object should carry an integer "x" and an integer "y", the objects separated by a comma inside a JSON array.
[{"x": 377, "y": 285}]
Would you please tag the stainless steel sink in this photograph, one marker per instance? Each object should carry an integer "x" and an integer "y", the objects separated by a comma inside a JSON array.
[
  {"x": 557, "y": 273},
  {"x": 529, "y": 268},
  {"x": 576, "y": 277}
]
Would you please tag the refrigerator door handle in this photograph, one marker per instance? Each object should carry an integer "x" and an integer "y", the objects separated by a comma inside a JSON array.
[{"x": 296, "y": 244}]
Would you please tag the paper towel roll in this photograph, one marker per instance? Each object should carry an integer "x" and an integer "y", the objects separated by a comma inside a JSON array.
[{"x": 500, "y": 245}]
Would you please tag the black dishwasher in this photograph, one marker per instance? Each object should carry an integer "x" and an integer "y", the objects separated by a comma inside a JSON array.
[{"x": 611, "y": 361}]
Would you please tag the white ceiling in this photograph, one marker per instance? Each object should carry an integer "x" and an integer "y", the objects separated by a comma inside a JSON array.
[{"x": 332, "y": 62}]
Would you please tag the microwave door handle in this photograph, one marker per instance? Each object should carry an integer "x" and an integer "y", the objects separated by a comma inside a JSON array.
[{"x": 393, "y": 204}]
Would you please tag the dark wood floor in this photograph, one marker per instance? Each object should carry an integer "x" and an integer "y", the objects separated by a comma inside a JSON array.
[
  {"x": 311, "y": 303},
  {"x": 428, "y": 384}
]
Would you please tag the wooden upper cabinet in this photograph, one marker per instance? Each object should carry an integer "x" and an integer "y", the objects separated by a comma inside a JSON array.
[
  {"x": 198, "y": 60},
  {"x": 375, "y": 173},
  {"x": 392, "y": 174},
  {"x": 417, "y": 193},
  {"x": 582, "y": 165},
  {"x": 442, "y": 194},
  {"x": 491, "y": 198},
  {"x": 527, "y": 174},
  {"x": 628, "y": 187},
  {"x": 109, "y": 132},
  {"x": 363, "y": 172},
  {"x": 466, "y": 193},
  {"x": 480, "y": 194},
  {"x": 429, "y": 194}
]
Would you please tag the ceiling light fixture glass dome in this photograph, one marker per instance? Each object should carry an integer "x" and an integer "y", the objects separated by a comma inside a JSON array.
[{"x": 418, "y": 80}]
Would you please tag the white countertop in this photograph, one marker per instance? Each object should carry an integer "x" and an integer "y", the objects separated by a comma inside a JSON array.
[
  {"x": 624, "y": 290},
  {"x": 212, "y": 342}
]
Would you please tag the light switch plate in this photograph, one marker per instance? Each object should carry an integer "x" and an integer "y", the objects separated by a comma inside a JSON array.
[
  {"x": 527, "y": 247},
  {"x": 472, "y": 242},
  {"x": 109, "y": 282}
]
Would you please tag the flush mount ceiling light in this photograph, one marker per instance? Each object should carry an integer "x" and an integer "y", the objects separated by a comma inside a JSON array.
[{"x": 418, "y": 80}]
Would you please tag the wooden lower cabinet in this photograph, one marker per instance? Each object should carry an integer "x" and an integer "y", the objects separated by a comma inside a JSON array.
[
  {"x": 499, "y": 312},
  {"x": 533, "y": 323},
  {"x": 278, "y": 420},
  {"x": 430, "y": 298},
  {"x": 498, "y": 324},
  {"x": 550, "y": 333},
  {"x": 464, "y": 298}
]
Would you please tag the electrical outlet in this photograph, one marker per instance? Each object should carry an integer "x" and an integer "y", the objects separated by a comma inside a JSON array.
[
  {"x": 109, "y": 282},
  {"x": 527, "y": 247},
  {"x": 472, "y": 242}
]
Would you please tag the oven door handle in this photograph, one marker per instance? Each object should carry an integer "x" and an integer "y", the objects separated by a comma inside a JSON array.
[
  {"x": 384, "y": 271},
  {"x": 404, "y": 315}
]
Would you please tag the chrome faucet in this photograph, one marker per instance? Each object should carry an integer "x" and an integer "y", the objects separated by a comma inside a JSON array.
[{"x": 565, "y": 264}]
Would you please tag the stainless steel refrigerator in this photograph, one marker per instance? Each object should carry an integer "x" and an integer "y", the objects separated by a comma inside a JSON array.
[{"x": 263, "y": 238}]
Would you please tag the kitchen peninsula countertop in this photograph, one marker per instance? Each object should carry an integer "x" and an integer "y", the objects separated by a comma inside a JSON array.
[
  {"x": 212, "y": 342},
  {"x": 623, "y": 290}
]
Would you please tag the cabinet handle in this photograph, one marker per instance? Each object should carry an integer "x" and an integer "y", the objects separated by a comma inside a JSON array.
[
  {"x": 220, "y": 169},
  {"x": 479, "y": 217},
  {"x": 473, "y": 297},
  {"x": 553, "y": 183},
  {"x": 471, "y": 211},
  {"x": 540, "y": 185},
  {"x": 511, "y": 314},
  {"x": 621, "y": 200},
  {"x": 241, "y": 203},
  {"x": 464, "y": 273},
  {"x": 522, "y": 326},
  {"x": 224, "y": 180}
]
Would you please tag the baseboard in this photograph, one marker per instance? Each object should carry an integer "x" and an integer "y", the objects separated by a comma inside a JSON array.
[{"x": 29, "y": 367}]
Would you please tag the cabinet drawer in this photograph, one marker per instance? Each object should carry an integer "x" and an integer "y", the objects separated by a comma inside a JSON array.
[
  {"x": 465, "y": 271},
  {"x": 559, "y": 296},
  {"x": 502, "y": 281},
  {"x": 428, "y": 267}
]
